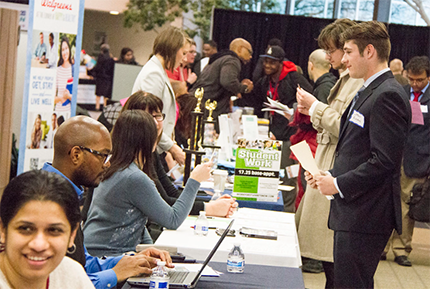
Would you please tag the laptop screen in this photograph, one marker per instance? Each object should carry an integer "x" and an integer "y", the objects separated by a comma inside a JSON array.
[{"x": 212, "y": 252}]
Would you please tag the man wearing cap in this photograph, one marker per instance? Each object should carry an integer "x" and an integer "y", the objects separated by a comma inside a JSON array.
[{"x": 279, "y": 83}]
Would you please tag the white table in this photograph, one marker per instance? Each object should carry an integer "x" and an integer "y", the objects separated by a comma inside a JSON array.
[{"x": 283, "y": 252}]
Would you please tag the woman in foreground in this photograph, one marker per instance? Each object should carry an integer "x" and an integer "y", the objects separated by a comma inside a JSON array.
[{"x": 39, "y": 214}]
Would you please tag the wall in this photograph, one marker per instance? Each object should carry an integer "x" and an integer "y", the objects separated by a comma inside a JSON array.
[
  {"x": 19, "y": 85},
  {"x": 106, "y": 5},
  {"x": 118, "y": 36}
]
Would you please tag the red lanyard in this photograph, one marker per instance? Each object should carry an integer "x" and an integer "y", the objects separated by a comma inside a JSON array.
[{"x": 273, "y": 92}]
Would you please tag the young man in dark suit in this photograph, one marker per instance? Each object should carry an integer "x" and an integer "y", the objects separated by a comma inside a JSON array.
[
  {"x": 365, "y": 179},
  {"x": 416, "y": 159}
]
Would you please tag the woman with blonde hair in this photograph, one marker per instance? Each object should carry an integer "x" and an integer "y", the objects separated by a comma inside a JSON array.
[{"x": 169, "y": 48}]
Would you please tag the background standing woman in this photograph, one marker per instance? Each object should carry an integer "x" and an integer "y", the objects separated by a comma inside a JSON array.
[
  {"x": 103, "y": 72},
  {"x": 170, "y": 46}
]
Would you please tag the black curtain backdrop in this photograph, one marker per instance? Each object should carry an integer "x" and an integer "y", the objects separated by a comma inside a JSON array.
[{"x": 298, "y": 35}]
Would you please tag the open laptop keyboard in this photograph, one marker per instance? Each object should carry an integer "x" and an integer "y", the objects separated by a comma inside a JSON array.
[{"x": 178, "y": 277}]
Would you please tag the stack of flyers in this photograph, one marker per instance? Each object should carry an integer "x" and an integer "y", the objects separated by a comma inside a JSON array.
[{"x": 276, "y": 106}]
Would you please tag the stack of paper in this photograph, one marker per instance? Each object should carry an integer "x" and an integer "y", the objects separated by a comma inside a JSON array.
[{"x": 276, "y": 106}]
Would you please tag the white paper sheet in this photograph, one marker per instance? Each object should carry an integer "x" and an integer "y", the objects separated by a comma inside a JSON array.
[{"x": 303, "y": 153}]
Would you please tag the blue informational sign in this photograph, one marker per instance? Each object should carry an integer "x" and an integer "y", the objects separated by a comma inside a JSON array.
[{"x": 51, "y": 76}]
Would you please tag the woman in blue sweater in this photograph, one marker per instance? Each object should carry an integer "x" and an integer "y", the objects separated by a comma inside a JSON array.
[{"x": 127, "y": 197}]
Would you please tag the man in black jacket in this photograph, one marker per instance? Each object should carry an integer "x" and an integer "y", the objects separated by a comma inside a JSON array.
[
  {"x": 279, "y": 83},
  {"x": 220, "y": 79},
  {"x": 416, "y": 158},
  {"x": 319, "y": 73},
  {"x": 365, "y": 178}
]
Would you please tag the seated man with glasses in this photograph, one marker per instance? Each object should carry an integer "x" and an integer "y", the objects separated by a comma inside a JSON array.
[{"x": 82, "y": 152}]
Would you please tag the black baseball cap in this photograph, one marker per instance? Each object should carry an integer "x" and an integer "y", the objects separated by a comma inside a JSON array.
[{"x": 274, "y": 52}]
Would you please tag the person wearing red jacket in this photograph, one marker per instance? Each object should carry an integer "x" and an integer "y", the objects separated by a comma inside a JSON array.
[{"x": 279, "y": 83}]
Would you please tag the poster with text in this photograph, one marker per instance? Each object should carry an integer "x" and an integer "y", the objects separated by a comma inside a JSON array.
[
  {"x": 256, "y": 175},
  {"x": 51, "y": 77}
]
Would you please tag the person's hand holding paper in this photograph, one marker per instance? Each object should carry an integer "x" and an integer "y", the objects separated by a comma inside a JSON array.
[{"x": 303, "y": 153}]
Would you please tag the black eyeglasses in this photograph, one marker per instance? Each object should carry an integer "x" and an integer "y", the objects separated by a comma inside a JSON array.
[
  {"x": 106, "y": 157},
  {"x": 159, "y": 117}
]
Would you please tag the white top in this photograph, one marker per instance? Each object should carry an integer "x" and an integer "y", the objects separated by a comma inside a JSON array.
[
  {"x": 68, "y": 275},
  {"x": 153, "y": 79},
  {"x": 203, "y": 62},
  {"x": 52, "y": 56}
]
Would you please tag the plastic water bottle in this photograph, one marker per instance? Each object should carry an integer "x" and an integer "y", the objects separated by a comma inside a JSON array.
[
  {"x": 216, "y": 195},
  {"x": 159, "y": 277},
  {"x": 236, "y": 260},
  {"x": 201, "y": 227}
]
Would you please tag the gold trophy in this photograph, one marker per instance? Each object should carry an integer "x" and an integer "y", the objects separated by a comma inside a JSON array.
[
  {"x": 194, "y": 143},
  {"x": 211, "y": 107},
  {"x": 199, "y": 95}
]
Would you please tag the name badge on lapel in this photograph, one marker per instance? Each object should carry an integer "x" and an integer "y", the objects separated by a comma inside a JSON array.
[
  {"x": 357, "y": 118},
  {"x": 424, "y": 109}
]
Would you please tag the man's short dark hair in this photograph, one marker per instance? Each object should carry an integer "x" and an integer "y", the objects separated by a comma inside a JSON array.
[
  {"x": 331, "y": 33},
  {"x": 275, "y": 42},
  {"x": 418, "y": 64},
  {"x": 211, "y": 43},
  {"x": 370, "y": 32}
]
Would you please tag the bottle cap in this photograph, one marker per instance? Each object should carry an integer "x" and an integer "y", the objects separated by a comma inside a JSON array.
[
  {"x": 161, "y": 263},
  {"x": 202, "y": 213},
  {"x": 236, "y": 244}
]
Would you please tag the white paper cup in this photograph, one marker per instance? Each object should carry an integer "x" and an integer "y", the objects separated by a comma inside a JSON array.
[{"x": 220, "y": 177}]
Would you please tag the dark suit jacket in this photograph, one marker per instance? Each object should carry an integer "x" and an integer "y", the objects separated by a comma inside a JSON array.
[
  {"x": 367, "y": 160},
  {"x": 416, "y": 160}
]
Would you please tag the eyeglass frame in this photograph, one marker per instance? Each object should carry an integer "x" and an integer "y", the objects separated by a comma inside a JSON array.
[
  {"x": 417, "y": 81},
  {"x": 163, "y": 115},
  {"x": 105, "y": 156},
  {"x": 330, "y": 51}
]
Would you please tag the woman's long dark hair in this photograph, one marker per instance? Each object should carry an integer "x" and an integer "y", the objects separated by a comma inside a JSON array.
[
  {"x": 61, "y": 60},
  {"x": 133, "y": 137}
]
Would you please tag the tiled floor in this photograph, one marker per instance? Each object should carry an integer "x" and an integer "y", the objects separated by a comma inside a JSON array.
[{"x": 389, "y": 274}]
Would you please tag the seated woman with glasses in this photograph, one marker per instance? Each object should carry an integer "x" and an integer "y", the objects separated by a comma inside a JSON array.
[
  {"x": 223, "y": 207},
  {"x": 127, "y": 196},
  {"x": 39, "y": 214}
]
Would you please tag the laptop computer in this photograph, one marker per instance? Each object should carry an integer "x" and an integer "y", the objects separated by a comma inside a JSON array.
[{"x": 183, "y": 279}]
